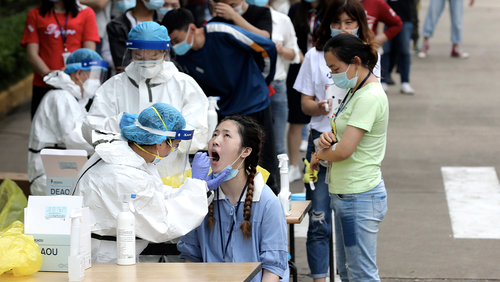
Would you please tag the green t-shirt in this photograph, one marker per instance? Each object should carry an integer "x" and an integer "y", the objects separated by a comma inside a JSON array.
[{"x": 368, "y": 109}]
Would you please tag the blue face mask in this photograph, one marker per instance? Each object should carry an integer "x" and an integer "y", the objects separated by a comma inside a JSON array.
[
  {"x": 233, "y": 172},
  {"x": 341, "y": 80},
  {"x": 165, "y": 10},
  {"x": 335, "y": 31},
  {"x": 154, "y": 4},
  {"x": 183, "y": 47},
  {"x": 310, "y": 1},
  {"x": 260, "y": 3},
  {"x": 126, "y": 5}
]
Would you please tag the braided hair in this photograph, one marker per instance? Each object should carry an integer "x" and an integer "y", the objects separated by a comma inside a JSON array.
[{"x": 252, "y": 136}]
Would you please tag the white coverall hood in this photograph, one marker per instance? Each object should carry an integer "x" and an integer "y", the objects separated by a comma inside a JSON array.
[
  {"x": 161, "y": 212},
  {"x": 61, "y": 80}
]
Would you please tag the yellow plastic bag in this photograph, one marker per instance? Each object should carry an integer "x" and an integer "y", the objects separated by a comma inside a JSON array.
[
  {"x": 12, "y": 203},
  {"x": 309, "y": 175},
  {"x": 19, "y": 252}
]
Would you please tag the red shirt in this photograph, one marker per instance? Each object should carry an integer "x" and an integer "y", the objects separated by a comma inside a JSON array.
[
  {"x": 380, "y": 11},
  {"x": 46, "y": 33}
]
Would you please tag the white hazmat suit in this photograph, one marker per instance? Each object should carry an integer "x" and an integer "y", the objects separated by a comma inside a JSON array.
[
  {"x": 57, "y": 124},
  {"x": 125, "y": 92},
  {"x": 161, "y": 212}
]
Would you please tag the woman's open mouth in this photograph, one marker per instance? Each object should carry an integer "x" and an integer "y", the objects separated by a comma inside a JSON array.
[{"x": 215, "y": 157}]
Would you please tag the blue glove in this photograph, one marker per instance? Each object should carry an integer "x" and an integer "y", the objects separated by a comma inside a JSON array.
[
  {"x": 127, "y": 119},
  {"x": 215, "y": 183},
  {"x": 201, "y": 166}
]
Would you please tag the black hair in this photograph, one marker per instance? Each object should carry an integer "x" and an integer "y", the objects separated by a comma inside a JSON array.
[
  {"x": 178, "y": 19},
  {"x": 301, "y": 17},
  {"x": 69, "y": 5},
  {"x": 354, "y": 9},
  {"x": 252, "y": 136},
  {"x": 346, "y": 46}
]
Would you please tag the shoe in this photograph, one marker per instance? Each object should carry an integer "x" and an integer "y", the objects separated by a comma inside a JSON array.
[
  {"x": 384, "y": 86},
  {"x": 303, "y": 145},
  {"x": 294, "y": 173},
  {"x": 389, "y": 80},
  {"x": 424, "y": 50},
  {"x": 406, "y": 88},
  {"x": 457, "y": 53}
]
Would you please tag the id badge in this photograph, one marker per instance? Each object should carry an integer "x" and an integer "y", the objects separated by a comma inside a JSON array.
[{"x": 65, "y": 56}]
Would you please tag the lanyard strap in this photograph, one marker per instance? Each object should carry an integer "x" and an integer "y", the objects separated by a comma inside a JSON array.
[
  {"x": 63, "y": 35},
  {"x": 342, "y": 105},
  {"x": 224, "y": 250}
]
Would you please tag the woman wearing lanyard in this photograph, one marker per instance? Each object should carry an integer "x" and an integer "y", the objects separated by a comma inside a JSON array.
[
  {"x": 342, "y": 16},
  {"x": 53, "y": 30},
  {"x": 356, "y": 147},
  {"x": 245, "y": 222}
]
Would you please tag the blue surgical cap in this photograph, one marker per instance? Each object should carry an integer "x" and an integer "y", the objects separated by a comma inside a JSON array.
[
  {"x": 149, "y": 31},
  {"x": 149, "y": 118},
  {"x": 78, "y": 56}
]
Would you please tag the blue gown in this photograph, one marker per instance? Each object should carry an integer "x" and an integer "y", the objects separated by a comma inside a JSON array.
[{"x": 267, "y": 244}]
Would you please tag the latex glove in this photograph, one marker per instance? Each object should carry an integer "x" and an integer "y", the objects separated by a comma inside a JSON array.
[
  {"x": 127, "y": 119},
  {"x": 201, "y": 166},
  {"x": 215, "y": 183},
  {"x": 309, "y": 175}
]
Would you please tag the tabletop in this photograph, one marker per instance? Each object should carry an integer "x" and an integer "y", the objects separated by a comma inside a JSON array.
[
  {"x": 107, "y": 272},
  {"x": 299, "y": 210}
]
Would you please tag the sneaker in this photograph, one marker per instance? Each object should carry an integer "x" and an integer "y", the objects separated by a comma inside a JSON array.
[
  {"x": 406, "y": 88},
  {"x": 457, "y": 53},
  {"x": 294, "y": 173},
  {"x": 384, "y": 86},
  {"x": 303, "y": 145},
  {"x": 423, "y": 50}
]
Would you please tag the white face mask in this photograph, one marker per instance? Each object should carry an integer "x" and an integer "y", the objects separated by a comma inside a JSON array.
[
  {"x": 239, "y": 9},
  {"x": 154, "y": 4},
  {"x": 149, "y": 69},
  {"x": 168, "y": 159},
  {"x": 90, "y": 86}
]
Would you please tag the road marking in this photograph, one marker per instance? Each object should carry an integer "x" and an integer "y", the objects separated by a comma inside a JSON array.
[{"x": 473, "y": 195}]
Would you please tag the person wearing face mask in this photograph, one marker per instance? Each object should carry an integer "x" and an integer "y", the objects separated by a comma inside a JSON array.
[
  {"x": 134, "y": 13},
  {"x": 238, "y": 12},
  {"x": 245, "y": 222},
  {"x": 355, "y": 145},
  {"x": 58, "y": 120},
  {"x": 128, "y": 164},
  {"x": 148, "y": 77},
  {"x": 169, "y": 5},
  {"x": 341, "y": 17},
  {"x": 234, "y": 64}
]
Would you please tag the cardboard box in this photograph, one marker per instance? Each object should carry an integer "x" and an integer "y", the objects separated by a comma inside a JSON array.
[
  {"x": 47, "y": 219},
  {"x": 61, "y": 168}
]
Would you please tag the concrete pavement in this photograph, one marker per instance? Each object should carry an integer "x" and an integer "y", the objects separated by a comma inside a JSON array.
[{"x": 452, "y": 120}]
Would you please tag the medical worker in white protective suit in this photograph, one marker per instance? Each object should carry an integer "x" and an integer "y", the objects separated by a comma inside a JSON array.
[
  {"x": 124, "y": 167},
  {"x": 58, "y": 120},
  {"x": 149, "y": 77}
]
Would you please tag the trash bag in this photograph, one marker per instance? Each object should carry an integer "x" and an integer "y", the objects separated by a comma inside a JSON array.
[
  {"x": 12, "y": 203},
  {"x": 18, "y": 252}
]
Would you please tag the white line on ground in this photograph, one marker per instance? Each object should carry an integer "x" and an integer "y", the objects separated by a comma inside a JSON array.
[{"x": 473, "y": 195}]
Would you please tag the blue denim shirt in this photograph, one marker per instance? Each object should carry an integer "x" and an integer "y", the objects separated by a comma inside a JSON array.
[{"x": 267, "y": 244}]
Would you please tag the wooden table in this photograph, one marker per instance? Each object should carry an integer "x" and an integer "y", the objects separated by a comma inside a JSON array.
[
  {"x": 299, "y": 210},
  {"x": 142, "y": 272}
]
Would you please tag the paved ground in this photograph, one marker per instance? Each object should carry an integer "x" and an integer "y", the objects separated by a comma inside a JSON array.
[{"x": 452, "y": 120}]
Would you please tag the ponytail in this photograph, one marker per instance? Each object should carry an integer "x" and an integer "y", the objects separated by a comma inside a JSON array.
[{"x": 347, "y": 46}]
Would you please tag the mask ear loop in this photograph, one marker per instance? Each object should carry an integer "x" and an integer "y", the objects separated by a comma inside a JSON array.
[
  {"x": 169, "y": 140},
  {"x": 137, "y": 145}
]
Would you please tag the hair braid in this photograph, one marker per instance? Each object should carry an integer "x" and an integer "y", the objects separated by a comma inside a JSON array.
[{"x": 246, "y": 226}]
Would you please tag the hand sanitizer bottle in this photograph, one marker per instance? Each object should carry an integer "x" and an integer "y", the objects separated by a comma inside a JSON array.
[
  {"x": 76, "y": 262},
  {"x": 285, "y": 196},
  {"x": 125, "y": 232},
  {"x": 212, "y": 115}
]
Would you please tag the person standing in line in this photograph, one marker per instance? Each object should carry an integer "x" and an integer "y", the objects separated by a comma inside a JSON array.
[
  {"x": 380, "y": 11},
  {"x": 355, "y": 145},
  {"x": 342, "y": 16},
  {"x": 233, "y": 63},
  {"x": 399, "y": 46},
  {"x": 288, "y": 53},
  {"x": 306, "y": 16},
  {"x": 456, "y": 13},
  {"x": 53, "y": 30}
]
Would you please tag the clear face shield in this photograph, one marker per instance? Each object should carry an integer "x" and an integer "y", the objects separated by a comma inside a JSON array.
[
  {"x": 96, "y": 73},
  {"x": 174, "y": 168},
  {"x": 144, "y": 59}
]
